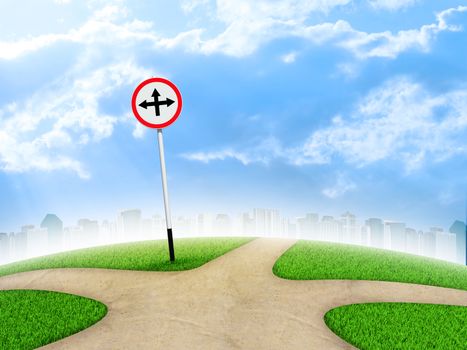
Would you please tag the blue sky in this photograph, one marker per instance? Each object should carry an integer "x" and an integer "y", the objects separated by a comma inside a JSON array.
[{"x": 317, "y": 105}]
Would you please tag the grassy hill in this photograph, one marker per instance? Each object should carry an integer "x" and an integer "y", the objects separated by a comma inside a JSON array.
[
  {"x": 310, "y": 260},
  {"x": 145, "y": 256},
  {"x": 383, "y": 325},
  {"x": 30, "y": 318}
]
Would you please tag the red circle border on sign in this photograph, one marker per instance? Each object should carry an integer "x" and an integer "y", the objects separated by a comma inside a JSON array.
[{"x": 156, "y": 80}]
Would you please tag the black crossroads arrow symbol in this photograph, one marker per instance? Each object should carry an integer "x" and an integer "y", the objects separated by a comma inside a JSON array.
[{"x": 156, "y": 103}]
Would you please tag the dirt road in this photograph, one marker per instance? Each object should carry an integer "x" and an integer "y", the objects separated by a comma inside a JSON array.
[{"x": 232, "y": 302}]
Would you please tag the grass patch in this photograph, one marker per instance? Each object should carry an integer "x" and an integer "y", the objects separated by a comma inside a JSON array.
[
  {"x": 308, "y": 260},
  {"x": 146, "y": 256},
  {"x": 400, "y": 325},
  {"x": 32, "y": 318}
]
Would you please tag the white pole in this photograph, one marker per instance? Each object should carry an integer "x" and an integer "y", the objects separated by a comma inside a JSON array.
[{"x": 168, "y": 218}]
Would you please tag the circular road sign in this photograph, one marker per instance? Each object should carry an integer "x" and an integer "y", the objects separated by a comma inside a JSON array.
[{"x": 156, "y": 103}]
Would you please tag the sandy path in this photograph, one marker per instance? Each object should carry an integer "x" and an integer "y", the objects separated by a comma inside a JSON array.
[{"x": 233, "y": 302}]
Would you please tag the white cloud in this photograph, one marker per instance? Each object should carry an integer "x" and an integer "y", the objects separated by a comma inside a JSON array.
[
  {"x": 342, "y": 185},
  {"x": 289, "y": 58},
  {"x": 263, "y": 153},
  {"x": 399, "y": 121},
  {"x": 390, "y": 45},
  {"x": 43, "y": 132},
  {"x": 392, "y": 5},
  {"x": 348, "y": 70},
  {"x": 190, "y": 5},
  {"x": 206, "y": 157},
  {"x": 248, "y": 27},
  {"x": 101, "y": 28},
  {"x": 139, "y": 131}
]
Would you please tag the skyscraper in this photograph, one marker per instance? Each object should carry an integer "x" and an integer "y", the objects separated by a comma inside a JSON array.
[
  {"x": 376, "y": 228},
  {"x": 223, "y": 224},
  {"x": 267, "y": 221},
  {"x": 412, "y": 241},
  {"x": 90, "y": 231},
  {"x": 248, "y": 225},
  {"x": 130, "y": 223},
  {"x": 397, "y": 233},
  {"x": 54, "y": 227},
  {"x": 38, "y": 242},
  {"x": 445, "y": 244},
  {"x": 428, "y": 243},
  {"x": 330, "y": 229},
  {"x": 4, "y": 248},
  {"x": 458, "y": 228},
  {"x": 308, "y": 226},
  {"x": 350, "y": 233},
  {"x": 20, "y": 245}
]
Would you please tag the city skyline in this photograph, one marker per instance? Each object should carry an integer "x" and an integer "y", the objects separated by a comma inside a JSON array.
[{"x": 130, "y": 225}]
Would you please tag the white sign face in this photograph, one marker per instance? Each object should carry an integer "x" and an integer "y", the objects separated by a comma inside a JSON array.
[{"x": 156, "y": 103}]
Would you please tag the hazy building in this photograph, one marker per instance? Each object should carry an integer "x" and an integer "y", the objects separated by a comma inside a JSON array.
[
  {"x": 223, "y": 224},
  {"x": 38, "y": 242},
  {"x": 89, "y": 231},
  {"x": 292, "y": 229},
  {"x": 412, "y": 241},
  {"x": 350, "y": 233},
  {"x": 308, "y": 226},
  {"x": 4, "y": 248},
  {"x": 397, "y": 234},
  {"x": 248, "y": 225},
  {"x": 267, "y": 221},
  {"x": 365, "y": 235},
  {"x": 159, "y": 226},
  {"x": 147, "y": 229},
  {"x": 205, "y": 224},
  {"x": 26, "y": 228},
  {"x": 428, "y": 244},
  {"x": 376, "y": 232},
  {"x": 54, "y": 227},
  {"x": 458, "y": 228},
  {"x": 329, "y": 229},
  {"x": 275, "y": 224},
  {"x": 445, "y": 244},
  {"x": 74, "y": 237},
  {"x": 19, "y": 244},
  {"x": 130, "y": 223},
  {"x": 107, "y": 231},
  {"x": 183, "y": 226}
]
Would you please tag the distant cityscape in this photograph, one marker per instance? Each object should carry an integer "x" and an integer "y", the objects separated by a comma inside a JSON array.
[{"x": 51, "y": 236}]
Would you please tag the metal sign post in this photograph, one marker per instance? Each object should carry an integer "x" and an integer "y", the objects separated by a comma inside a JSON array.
[
  {"x": 158, "y": 93},
  {"x": 168, "y": 218}
]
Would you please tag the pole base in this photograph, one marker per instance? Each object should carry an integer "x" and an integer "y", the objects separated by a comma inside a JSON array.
[{"x": 171, "y": 244}]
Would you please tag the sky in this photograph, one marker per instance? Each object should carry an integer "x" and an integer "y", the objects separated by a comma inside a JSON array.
[{"x": 303, "y": 106}]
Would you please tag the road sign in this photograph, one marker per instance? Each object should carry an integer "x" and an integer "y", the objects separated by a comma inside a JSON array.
[{"x": 156, "y": 103}]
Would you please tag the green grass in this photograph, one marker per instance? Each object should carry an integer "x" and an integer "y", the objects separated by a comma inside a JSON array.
[
  {"x": 383, "y": 325},
  {"x": 308, "y": 260},
  {"x": 146, "y": 256},
  {"x": 400, "y": 325},
  {"x": 29, "y": 319},
  {"x": 32, "y": 318}
]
